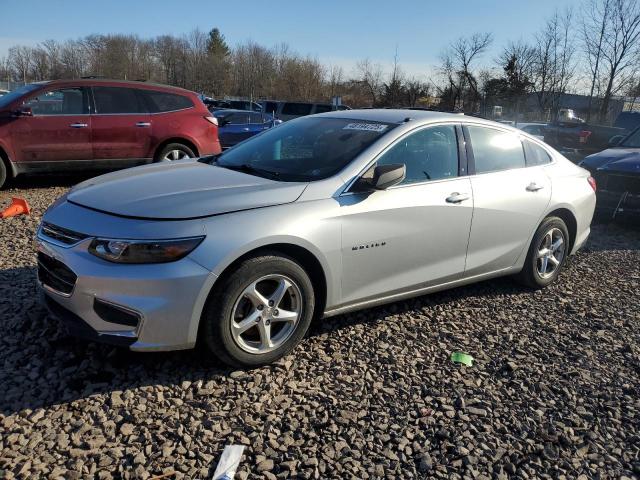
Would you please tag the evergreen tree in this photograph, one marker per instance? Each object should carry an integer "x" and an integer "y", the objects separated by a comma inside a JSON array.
[{"x": 217, "y": 45}]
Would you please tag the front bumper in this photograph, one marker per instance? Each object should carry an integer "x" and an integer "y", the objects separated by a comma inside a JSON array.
[{"x": 144, "y": 307}]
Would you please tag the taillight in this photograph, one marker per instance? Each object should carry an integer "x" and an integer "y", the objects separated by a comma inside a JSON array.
[
  {"x": 592, "y": 182},
  {"x": 584, "y": 135},
  {"x": 211, "y": 119}
]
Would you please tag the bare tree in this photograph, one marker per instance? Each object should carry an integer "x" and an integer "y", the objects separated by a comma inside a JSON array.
[
  {"x": 595, "y": 19},
  {"x": 458, "y": 64},
  {"x": 370, "y": 77},
  {"x": 620, "y": 49}
]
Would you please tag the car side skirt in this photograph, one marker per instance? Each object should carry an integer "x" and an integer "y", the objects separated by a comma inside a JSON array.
[{"x": 416, "y": 292}]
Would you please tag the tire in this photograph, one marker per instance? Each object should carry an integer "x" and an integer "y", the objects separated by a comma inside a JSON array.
[
  {"x": 235, "y": 301},
  {"x": 540, "y": 271},
  {"x": 175, "y": 151},
  {"x": 3, "y": 173}
]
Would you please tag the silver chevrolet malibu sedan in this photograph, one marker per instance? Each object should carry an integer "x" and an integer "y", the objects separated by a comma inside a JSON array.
[{"x": 319, "y": 216}]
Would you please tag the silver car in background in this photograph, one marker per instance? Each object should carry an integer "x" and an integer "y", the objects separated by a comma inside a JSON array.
[{"x": 319, "y": 216}]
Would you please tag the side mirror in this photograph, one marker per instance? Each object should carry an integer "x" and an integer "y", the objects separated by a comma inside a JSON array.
[
  {"x": 384, "y": 176},
  {"x": 615, "y": 140},
  {"x": 23, "y": 112}
]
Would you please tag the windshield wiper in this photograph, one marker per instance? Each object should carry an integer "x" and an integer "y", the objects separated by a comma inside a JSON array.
[{"x": 250, "y": 169}]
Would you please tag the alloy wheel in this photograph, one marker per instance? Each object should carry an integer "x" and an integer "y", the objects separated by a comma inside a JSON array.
[
  {"x": 266, "y": 314},
  {"x": 551, "y": 252},
  {"x": 175, "y": 155}
]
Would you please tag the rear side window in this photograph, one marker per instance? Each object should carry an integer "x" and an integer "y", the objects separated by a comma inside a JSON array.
[
  {"x": 66, "y": 101},
  {"x": 296, "y": 109},
  {"x": 495, "y": 150},
  {"x": 116, "y": 100},
  {"x": 536, "y": 155},
  {"x": 165, "y": 102}
]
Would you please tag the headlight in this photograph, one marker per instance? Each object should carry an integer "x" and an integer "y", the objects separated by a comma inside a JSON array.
[{"x": 143, "y": 251}]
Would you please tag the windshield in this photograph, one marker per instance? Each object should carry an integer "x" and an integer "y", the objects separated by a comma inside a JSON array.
[
  {"x": 10, "y": 97},
  {"x": 305, "y": 149},
  {"x": 633, "y": 140}
]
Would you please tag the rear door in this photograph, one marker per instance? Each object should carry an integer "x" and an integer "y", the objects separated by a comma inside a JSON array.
[
  {"x": 509, "y": 199},
  {"x": 122, "y": 127},
  {"x": 59, "y": 130}
]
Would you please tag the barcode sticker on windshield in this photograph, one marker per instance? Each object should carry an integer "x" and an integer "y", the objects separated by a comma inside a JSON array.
[{"x": 367, "y": 127}]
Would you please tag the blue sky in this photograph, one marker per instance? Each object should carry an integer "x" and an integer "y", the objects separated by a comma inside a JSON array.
[{"x": 337, "y": 32}]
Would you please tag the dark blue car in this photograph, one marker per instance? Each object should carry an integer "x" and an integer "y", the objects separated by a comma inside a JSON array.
[
  {"x": 235, "y": 126},
  {"x": 617, "y": 173}
]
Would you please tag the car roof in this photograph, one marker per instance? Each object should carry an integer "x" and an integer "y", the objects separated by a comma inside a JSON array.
[
  {"x": 390, "y": 115},
  {"x": 111, "y": 82},
  {"x": 236, "y": 110}
]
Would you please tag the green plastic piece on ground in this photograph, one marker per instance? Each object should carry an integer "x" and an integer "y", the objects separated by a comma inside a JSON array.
[{"x": 463, "y": 358}]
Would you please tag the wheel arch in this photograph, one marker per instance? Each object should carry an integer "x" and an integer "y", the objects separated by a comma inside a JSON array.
[
  {"x": 569, "y": 218},
  {"x": 4, "y": 158},
  {"x": 301, "y": 255},
  {"x": 184, "y": 141}
]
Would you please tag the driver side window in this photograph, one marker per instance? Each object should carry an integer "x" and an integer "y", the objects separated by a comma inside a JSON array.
[{"x": 429, "y": 154}]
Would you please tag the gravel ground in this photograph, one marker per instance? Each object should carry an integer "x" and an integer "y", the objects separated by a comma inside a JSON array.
[{"x": 554, "y": 391}]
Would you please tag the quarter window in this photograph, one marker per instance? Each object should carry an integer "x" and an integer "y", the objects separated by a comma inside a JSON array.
[
  {"x": 165, "y": 102},
  {"x": 429, "y": 154},
  {"x": 495, "y": 150},
  {"x": 116, "y": 100},
  {"x": 66, "y": 101},
  {"x": 256, "y": 118},
  {"x": 536, "y": 155}
]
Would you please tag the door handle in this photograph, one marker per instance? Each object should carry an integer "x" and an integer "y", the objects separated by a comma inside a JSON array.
[
  {"x": 143, "y": 124},
  {"x": 534, "y": 187},
  {"x": 78, "y": 125},
  {"x": 456, "y": 197}
]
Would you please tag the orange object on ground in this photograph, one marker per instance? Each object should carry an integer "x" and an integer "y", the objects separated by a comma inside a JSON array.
[{"x": 19, "y": 206}]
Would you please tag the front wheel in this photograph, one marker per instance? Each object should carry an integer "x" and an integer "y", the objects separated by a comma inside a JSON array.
[
  {"x": 260, "y": 312},
  {"x": 547, "y": 254}
]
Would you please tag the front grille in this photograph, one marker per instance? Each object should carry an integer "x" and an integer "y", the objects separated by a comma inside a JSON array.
[
  {"x": 55, "y": 274},
  {"x": 62, "y": 235}
]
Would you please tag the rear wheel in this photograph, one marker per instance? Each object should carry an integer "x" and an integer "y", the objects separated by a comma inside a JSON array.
[
  {"x": 175, "y": 151},
  {"x": 260, "y": 312},
  {"x": 547, "y": 254}
]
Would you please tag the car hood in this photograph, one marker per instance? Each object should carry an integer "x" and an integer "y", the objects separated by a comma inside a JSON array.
[
  {"x": 622, "y": 160},
  {"x": 180, "y": 190}
]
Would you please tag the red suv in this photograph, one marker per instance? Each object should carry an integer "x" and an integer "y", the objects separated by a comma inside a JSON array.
[{"x": 100, "y": 124}]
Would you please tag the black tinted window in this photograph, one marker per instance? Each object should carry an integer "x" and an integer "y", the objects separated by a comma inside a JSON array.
[
  {"x": 270, "y": 107},
  {"x": 296, "y": 108},
  {"x": 429, "y": 154},
  {"x": 116, "y": 100},
  {"x": 536, "y": 155},
  {"x": 323, "y": 108},
  {"x": 66, "y": 101},
  {"x": 495, "y": 150},
  {"x": 165, "y": 102},
  {"x": 237, "y": 118}
]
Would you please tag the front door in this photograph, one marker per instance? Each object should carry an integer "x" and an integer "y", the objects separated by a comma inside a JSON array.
[
  {"x": 412, "y": 235},
  {"x": 58, "y": 130},
  {"x": 121, "y": 125},
  {"x": 509, "y": 198}
]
